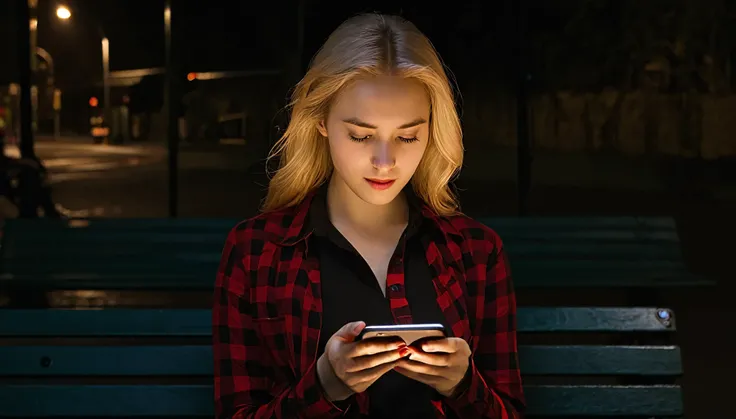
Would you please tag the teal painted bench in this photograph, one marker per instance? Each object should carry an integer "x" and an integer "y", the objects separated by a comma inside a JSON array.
[
  {"x": 158, "y": 363},
  {"x": 182, "y": 254}
]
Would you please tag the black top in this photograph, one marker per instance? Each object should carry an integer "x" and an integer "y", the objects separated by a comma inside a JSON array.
[{"x": 350, "y": 292}]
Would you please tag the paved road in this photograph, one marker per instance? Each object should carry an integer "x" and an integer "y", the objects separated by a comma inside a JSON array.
[{"x": 79, "y": 158}]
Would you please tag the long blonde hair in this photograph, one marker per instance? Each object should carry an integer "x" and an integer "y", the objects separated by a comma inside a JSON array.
[{"x": 367, "y": 45}]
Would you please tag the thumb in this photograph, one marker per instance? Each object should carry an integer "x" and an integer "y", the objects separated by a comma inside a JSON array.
[{"x": 350, "y": 331}]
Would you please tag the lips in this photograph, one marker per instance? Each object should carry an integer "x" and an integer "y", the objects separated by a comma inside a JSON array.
[{"x": 380, "y": 184}]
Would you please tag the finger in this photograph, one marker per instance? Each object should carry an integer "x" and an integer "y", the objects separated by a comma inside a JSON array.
[
  {"x": 372, "y": 374},
  {"x": 447, "y": 345},
  {"x": 422, "y": 368},
  {"x": 370, "y": 361},
  {"x": 374, "y": 346},
  {"x": 350, "y": 331},
  {"x": 429, "y": 380},
  {"x": 438, "y": 359}
]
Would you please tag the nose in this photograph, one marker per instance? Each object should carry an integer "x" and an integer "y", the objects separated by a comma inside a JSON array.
[{"x": 384, "y": 155}]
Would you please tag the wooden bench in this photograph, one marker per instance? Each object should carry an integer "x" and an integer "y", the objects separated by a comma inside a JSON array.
[
  {"x": 158, "y": 363},
  {"x": 182, "y": 254}
]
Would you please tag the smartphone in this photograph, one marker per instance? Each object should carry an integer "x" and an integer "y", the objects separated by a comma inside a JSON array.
[{"x": 410, "y": 333}]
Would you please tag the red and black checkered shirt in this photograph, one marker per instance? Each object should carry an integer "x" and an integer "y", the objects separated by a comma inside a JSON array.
[{"x": 267, "y": 318}]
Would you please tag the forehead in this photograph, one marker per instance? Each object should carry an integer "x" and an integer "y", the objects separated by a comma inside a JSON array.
[{"x": 381, "y": 98}]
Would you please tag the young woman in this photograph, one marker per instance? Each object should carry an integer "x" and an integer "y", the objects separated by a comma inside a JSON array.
[{"x": 360, "y": 227}]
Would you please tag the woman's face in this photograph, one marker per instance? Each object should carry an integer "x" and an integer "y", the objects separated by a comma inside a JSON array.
[{"x": 378, "y": 130}]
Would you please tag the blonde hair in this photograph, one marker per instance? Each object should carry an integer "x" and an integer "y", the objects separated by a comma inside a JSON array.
[{"x": 367, "y": 45}]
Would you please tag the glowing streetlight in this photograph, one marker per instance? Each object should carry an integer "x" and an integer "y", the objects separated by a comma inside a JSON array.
[{"x": 63, "y": 13}]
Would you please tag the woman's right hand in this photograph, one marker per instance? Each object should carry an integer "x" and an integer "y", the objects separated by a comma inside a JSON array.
[{"x": 358, "y": 364}]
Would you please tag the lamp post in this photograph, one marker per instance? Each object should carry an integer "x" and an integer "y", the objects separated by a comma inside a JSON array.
[
  {"x": 64, "y": 13},
  {"x": 171, "y": 100},
  {"x": 106, "y": 80},
  {"x": 26, "y": 51}
]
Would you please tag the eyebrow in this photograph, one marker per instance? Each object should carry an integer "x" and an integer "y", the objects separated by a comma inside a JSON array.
[{"x": 359, "y": 123}]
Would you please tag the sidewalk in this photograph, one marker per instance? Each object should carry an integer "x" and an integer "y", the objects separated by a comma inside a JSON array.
[
  {"x": 191, "y": 156},
  {"x": 88, "y": 144}
]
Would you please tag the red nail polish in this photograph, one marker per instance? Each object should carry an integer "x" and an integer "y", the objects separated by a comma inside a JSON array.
[{"x": 404, "y": 352}]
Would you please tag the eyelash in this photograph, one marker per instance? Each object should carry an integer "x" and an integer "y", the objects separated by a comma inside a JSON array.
[{"x": 403, "y": 139}]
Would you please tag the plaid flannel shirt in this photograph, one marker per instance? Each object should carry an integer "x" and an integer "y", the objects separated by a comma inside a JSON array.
[{"x": 267, "y": 317}]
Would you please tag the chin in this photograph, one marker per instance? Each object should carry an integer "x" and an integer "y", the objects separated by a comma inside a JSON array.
[
  {"x": 374, "y": 199},
  {"x": 378, "y": 197}
]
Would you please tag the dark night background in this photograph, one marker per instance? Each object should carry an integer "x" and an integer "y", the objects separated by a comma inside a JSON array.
[{"x": 631, "y": 111}]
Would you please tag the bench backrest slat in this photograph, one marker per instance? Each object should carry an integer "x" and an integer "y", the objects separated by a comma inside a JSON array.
[
  {"x": 566, "y": 223},
  {"x": 195, "y": 248},
  {"x": 197, "y": 322}
]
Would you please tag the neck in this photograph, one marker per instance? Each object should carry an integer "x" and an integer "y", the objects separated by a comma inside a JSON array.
[{"x": 345, "y": 206}]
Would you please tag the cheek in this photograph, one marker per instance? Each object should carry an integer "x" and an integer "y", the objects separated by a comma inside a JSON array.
[
  {"x": 345, "y": 154},
  {"x": 412, "y": 156}
]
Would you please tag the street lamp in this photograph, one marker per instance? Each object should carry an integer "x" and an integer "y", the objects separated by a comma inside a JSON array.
[
  {"x": 63, "y": 13},
  {"x": 106, "y": 80}
]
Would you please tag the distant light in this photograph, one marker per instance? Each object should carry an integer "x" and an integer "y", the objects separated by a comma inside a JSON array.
[
  {"x": 192, "y": 76},
  {"x": 93, "y": 102},
  {"x": 63, "y": 13}
]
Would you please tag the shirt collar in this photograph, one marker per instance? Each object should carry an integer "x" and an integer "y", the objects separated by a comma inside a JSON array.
[
  {"x": 290, "y": 225},
  {"x": 318, "y": 219}
]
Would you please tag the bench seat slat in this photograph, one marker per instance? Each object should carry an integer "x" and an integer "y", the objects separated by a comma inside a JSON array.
[
  {"x": 197, "y": 322},
  {"x": 196, "y": 360},
  {"x": 606, "y": 401},
  {"x": 197, "y": 400},
  {"x": 600, "y": 360}
]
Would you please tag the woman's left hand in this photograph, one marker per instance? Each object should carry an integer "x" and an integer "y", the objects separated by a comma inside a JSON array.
[{"x": 441, "y": 364}]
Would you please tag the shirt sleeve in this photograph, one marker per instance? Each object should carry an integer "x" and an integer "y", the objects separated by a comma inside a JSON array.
[
  {"x": 244, "y": 379},
  {"x": 493, "y": 388}
]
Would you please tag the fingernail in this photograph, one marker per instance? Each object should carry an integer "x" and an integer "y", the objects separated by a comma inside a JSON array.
[
  {"x": 401, "y": 346},
  {"x": 404, "y": 352}
]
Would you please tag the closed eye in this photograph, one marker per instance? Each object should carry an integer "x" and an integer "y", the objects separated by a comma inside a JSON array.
[
  {"x": 359, "y": 139},
  {"x": 407, "y": 140}
]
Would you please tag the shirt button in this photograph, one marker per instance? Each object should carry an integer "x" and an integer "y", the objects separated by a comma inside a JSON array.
[{"x": 395, "y": 288}]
